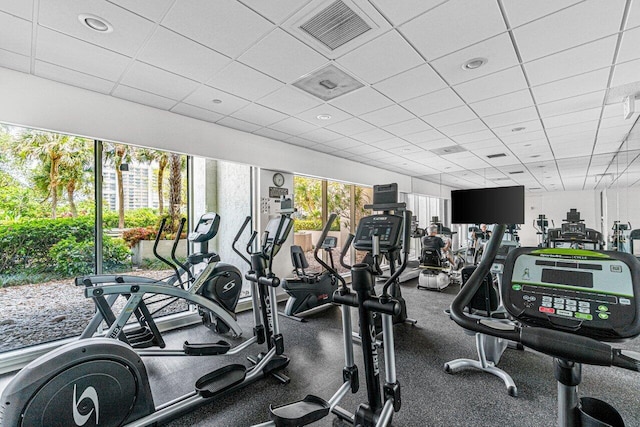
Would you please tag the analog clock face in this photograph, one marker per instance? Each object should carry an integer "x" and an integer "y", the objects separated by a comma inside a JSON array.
[{"x": 278, "y": 179}]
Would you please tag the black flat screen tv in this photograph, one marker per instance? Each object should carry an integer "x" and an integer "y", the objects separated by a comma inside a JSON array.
[{"x": 500, "y": 205}]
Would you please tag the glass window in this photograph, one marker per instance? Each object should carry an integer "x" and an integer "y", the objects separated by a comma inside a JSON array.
[
  {"x": 47, "y": 221},
  {"x": 308, "y": 222}
]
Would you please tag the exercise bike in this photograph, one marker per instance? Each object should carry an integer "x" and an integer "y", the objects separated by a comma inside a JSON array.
[
  {"x": 215, "y": 291},
  {"x": 104, "y": 382},
  {"x": 310, "y": 290},
  {"x": 567, "y": 303}
]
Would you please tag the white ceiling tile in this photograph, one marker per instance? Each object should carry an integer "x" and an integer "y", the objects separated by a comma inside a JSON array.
[
  {"x": 301, "y": 142},
  {"x": 577, "y": 128},
  {"x": 276, "y": 11},
  {"x": 293, "y": 126},
  {"x": 160, "y": 82},
  {"x": 367, "y": 63},
  {"x": 289, "y": 100},
  {"x": 234, "y": 123},
  {"x": 377, "y": 155},
  {"x": 483, "y": 136},
  {"x": 273, "y": 134},
  {"x": 387, "y": 116},
  {"x": 373, "y": 135},
  {"x": 504, "y": 103},
  {"x": 391, "y": 144},
  {"x": 407, "y": 127},
  {"x": 283, "y": 57},
  {"x": 350, "y": 126},
  {"x": 573, "y": 86},
  {"x": 521, "y": 12},
  {"x": 15, "y": 61},
  {"x": 203, "y": 97},
  {"x": 409, "y": 84},
  {"x": 361, "y": 101},
  {"x": 323, "y": 148},
  {"x": 244, "y": 81},
  {"x": 433, "y": 102},
  {"x": 435, "y": 144},
  {"x": 224, "y": 25},
  {"x": 424, "y": 136},
  {"x": 496, "y": 84},
  {"x": 450, "y": 117},
  {"x": 71, "y": 77},
  {"x": 361, "y": 149},
  {"x": 321, "y": 135},
  {"x": 570, "y": 105},
  {"x": 150, "y": 9},
  {"x": 180, "y": 55},
  {"x": 409, "y": 151},
  {"x": 581, "y": 59},
  {"x": 312, "y": 114},
  {"x": 259, "y": 115},
  {"x": 570, "y": 27},
  {"x": 144, "y": 98},
  {"x": 20, "y": 8},
  {"x": 129, "y": 30},
  {"x": 471, "y": 126},
  {"x": 572, "y": 118},
  {"x": 618, "y": 119},
  {"x": 343, "y": 143},
  {"x": 497, "y": 50},
  {"x": 629, "y": 46},
  {"x": 523, "y": 136},
  {"x": 400, "y": 12},
  {"x": 75, "y": 54},
  {"x": 15, "y": 34},
  {"x": 454, "y": 25},
  {"x": 511, "y": 117},
  {"x": 634, "y": 15},
  {"x": 530, "y": 126},
  {"x": 196, "y": 112},
  {"x": 628, "y": 72}
]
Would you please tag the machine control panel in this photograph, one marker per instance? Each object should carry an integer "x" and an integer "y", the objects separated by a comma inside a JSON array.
[
  {"x": 387, "y": 227},
  {"x": 586, "y": 292}
]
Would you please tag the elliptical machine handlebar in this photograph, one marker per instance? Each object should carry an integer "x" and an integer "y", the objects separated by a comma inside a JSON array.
[
  {"x": 237, "y": 237},
  {"x": 323, "y": 236},
  {"x": 161, "y": 258},
  {"x": 176, "y": 240},
  {"x": 406, "y": 236},
  {"x": 345, "y": 249}
]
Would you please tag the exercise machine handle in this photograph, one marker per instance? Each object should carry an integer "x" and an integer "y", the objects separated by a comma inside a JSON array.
[
  {"x": 254, "y": 234},
  {"x": 157, "y": 255},
  {"x": 405, "y": 250},
  {"x": 323, "y": 236},
  {"x": 175, "y": 246},
  {"x": 235, "y": 240},
  {"x": 345, "y": 249}
]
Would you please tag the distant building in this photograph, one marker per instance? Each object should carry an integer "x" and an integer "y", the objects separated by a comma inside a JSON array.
[{"x": 140, "y": 184}]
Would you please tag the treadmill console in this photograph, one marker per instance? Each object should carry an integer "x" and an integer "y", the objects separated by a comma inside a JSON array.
[
  {"x": 387, "y": 227},
  {"x": 329, "y": 242},
  {"x": 591, "y": 293}
]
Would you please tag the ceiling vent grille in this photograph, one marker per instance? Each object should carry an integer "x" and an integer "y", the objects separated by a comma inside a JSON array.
[
  {"x": 335, "y": 25},
  {"x": 495, "y": 156}
]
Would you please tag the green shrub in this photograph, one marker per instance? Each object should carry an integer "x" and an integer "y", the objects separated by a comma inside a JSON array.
[
  {"x": 72, "y": 258},
  {"x": 25, "y": 244},
  {"x": 142, "y": 217},
  {"x": 134, "y": 235},
  {"x": 313, "y": 225}
]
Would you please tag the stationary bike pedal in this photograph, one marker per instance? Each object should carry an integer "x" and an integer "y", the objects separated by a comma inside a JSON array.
[
  {"x": 300, "y": 413},
  {"x": 206, "y": 349},
  {"x": 221, "y": 379}
]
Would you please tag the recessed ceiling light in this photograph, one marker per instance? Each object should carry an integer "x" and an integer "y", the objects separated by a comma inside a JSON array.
[
  {"x": 217, "y": 101},
  {"x": 518, "y": 129},
  {"x": 324, "y": 117},
  {"x": 474, "y": 63},
  {"x": 95, "y": 23}
]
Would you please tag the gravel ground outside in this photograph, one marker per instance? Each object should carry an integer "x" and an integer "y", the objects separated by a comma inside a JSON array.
[{"x": 43, "y": 312}]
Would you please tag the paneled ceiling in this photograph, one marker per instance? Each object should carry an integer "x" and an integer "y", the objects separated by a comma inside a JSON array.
[{"x": 547, "y": 101}]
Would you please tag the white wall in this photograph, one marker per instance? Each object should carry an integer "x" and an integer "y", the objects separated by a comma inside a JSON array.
[
  {"x": 622, "y": 205},
  {"x": 555, "y": 206},
  {"x": 34, "y": 102}
]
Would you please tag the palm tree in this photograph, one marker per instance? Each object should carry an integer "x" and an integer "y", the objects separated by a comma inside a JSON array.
[
  {"x": 175, "y": 190},
  {"x": 54, "y": 150},
  {"x": 162, "y": 157},
  {"x": 117, "y": 154}
]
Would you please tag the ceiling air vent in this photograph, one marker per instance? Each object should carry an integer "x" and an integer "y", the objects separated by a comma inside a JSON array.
[
  {"x": 493, "y": 156},
  {"x": 515, "y": 172},
  {"x": 328, "y": 83},
  {"x": 335, "y": 25},
  {"x": 452, "y": 149}
]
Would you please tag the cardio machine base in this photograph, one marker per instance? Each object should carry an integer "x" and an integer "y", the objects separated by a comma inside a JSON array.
[{"x": 300, "y": 413}]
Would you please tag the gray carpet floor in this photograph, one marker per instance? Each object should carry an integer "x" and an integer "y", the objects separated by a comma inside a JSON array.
[{"x": 430, "y": 396}]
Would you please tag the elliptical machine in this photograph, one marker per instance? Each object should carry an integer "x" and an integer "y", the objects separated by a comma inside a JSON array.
[
  {"x": 583, "y": 298},
  {"x": 101, "y": 381},
  {"x": 541, "y": 225},
  {"x": 309, "y": 290}
]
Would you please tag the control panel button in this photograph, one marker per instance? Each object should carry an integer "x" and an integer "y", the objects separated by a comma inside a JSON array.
[
  {"x": 571, "y": 302},
  {"x": 603, "y": 316},
  {"x": 583, "y": 303},
  {"x": 603, "y": 308},
  {"x": 564, "y": 313},
  {"x": 516, "y": 287},
  {"x": 559, "y": 300},
  {"x": 546, "y": 304},
  {"x": 624, "y": 301},
  {"x": 584, "y": 310},
  {"x": 583, "y": 316},
  {"x": 546, "y": 310}
]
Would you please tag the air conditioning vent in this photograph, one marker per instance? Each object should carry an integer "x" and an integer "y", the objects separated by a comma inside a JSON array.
[
  {"x": 335, "y": 25},
  {"x": 452, "y": 149},
  {"x": 493, "y": 156},
  {"x": 515, "y": 172}
]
